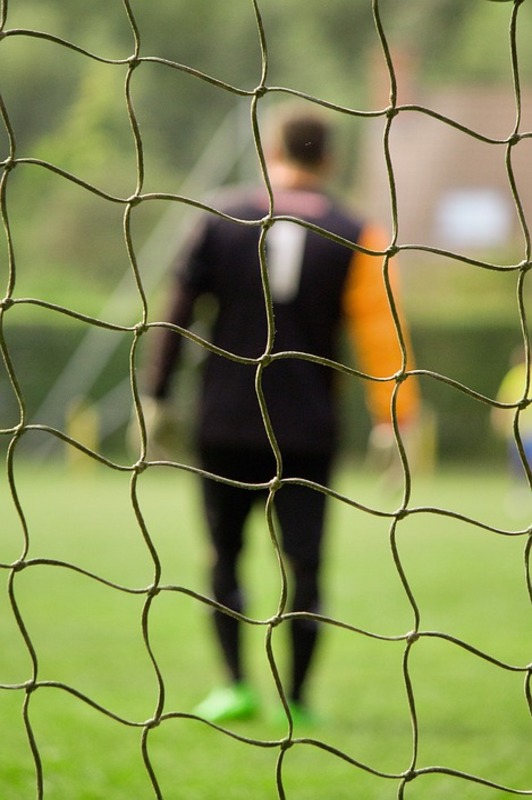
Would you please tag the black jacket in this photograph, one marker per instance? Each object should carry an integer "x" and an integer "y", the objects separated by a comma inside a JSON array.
[{"x": 308, "y": 272}]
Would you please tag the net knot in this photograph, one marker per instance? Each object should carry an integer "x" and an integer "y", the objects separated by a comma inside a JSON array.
[
  {"x": 140, "y": 328},
  {"x": 6, "y": 303},
  {"x": 275, "y": 484},
  {"x": 392, "y": 250},
  {"x": 412, "y": 637},
  {"x": 260, "y": 91},
  {"x": 9, "y": 163},
  {"x": 400, "y": 376},
  {"x": 391, "y": 112},
  {"x": 133, "y": 61},
  {"x": 286, "y": 743}
]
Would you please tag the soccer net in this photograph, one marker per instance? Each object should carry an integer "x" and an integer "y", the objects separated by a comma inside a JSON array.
[{"x": 127, "y": 322}]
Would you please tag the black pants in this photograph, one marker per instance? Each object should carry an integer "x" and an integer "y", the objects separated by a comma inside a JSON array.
[{"x": 300, "y": 512}]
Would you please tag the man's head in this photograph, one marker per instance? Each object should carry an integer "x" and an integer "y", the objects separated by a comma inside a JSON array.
[{"x": 300, "y": 140}]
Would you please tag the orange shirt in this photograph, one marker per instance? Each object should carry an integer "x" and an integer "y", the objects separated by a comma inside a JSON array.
[{"x": 373, "y": 331}]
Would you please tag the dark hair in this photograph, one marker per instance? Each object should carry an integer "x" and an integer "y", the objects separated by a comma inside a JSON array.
[{"x": 305, "y": 138}]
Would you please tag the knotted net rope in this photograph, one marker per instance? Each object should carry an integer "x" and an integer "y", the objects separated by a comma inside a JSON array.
[{"x": 29, "y": 687}]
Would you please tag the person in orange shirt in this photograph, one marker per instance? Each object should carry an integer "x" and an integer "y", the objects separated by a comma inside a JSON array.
[{"x": 271, "y": 381}]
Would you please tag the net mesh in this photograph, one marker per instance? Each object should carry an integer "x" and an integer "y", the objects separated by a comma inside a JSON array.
[{"x": 29, "y": 689}]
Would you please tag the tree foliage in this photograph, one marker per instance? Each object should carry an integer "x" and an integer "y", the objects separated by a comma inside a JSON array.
[{"x": 70, "y": 109}]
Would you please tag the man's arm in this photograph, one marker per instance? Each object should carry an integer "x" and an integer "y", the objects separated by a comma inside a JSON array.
[
  {"x": 169, "y": 343},
  {"x": 163, "y": 426},
  {"x": 373, "y": 333}
]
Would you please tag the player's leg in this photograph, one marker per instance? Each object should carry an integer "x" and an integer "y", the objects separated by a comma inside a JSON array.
[
  {"x": 304, "y": 632},
  {"x": 301, "y": 513},
  {"x": 227, "y": 508}
]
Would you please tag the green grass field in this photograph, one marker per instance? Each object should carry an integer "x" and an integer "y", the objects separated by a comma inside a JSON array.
[{"x": 468, "y": 583}]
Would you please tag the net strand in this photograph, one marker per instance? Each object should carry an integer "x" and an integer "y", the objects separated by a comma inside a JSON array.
[{"x": 409, "y": 640}]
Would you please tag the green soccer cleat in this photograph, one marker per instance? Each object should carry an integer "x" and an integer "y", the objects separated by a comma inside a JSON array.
[
  {"x": 234, "y": 702},
  {"x": 302, "y": 717}
]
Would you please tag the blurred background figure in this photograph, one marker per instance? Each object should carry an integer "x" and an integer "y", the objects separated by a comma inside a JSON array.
[
  {"x": 319, "y": 287},
  {"x": 511, "y": 391}
]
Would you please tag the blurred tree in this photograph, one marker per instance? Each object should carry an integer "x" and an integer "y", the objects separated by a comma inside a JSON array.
[{"x": 70, "y": 109}]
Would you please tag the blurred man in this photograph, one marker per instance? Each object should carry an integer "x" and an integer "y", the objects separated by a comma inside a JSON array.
[{"x": 317, "y": 285}]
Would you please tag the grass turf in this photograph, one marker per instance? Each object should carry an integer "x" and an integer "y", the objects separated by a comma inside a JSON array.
[{"x": 467, "y": 582}]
